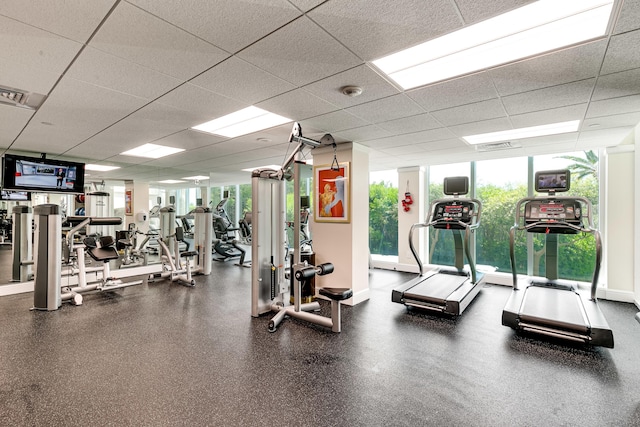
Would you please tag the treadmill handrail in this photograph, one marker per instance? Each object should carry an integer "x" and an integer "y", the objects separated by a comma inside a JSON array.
[
  {"x": 519, "y": 225},
  {"x": 469, "y": 228}
]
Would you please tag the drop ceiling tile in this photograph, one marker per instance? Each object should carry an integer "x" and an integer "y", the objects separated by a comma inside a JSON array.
[
  {"x": 568, "y": 65},
  {"x": 374, "y": 28},
  {"x": 306, "y": 5},
  {"x": 615, "y": 121},
  {"x": 228, "y": 24},
  {"x": 552, "y": 97},
  {"x": 237, "y": 79},
  {"x": 617, "y": 84},
  {"x": 300, "y": 53},
  {"x": 108, "y": 71},
  {"x": 334, "y": 122},
  {"x": 390, "y": 108},
  {"x": 609, "y": 107},
  {"x": 200, "y": 102},
  {"x": 12, "y": 121},
  {"x": 446, "y": 144},
  {"x": 70, "y": 115},
  {"x": 297, "y": 105},
  {"x": 373, "y": 87},
  {"x": 552, "y": 115},
  {"x": 622, "y": 53},
  {"x": 411, "y": 124},
  {"x": 29, "y": 48},
  {"x": 484, "y": 110},
  {"x": 473, "y": 11},
  {"x": 484, "y": 126},
  {"x": 139, "y": 37},
  {"x": 603, "y": 137},
  {"x": 72, "y": 19},
  {"x": 452, "y": 93},
  {"x": 27, "y": 78},
  {"x": 411, "y": 138},
  {"x": 359, "y": 135},
  {"x": 629, "y": 18},
  {"x": 191, "y": 140},
  {"x": 167, "y": 117}
]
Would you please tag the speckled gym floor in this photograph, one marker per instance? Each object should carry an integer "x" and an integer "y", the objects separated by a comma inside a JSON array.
[{"x": 162, "y": 354}]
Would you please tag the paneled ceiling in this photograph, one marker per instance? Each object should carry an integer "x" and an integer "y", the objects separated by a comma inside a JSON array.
[{"x": 119, "y": 73}]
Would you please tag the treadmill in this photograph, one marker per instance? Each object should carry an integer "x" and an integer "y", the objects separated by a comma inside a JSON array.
[
  {"x": 551, "y": 306},
  {"x": 446, "y": 290}
]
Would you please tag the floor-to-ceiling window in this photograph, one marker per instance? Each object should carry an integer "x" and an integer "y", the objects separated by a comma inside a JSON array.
[
  {"x": 500, "y": 184},
  {"x": 576, "y": 252},
  {"x": 383, "y": 213}
]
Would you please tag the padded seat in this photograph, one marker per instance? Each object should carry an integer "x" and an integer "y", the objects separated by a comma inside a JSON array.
[
  {"x": 336, "y": 294},
  {"x": 188, "y": 254}
]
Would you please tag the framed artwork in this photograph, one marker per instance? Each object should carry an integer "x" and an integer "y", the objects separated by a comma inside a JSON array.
[
  {"x": 128, "y": 202},
  {"x": 332, "y": 193}
]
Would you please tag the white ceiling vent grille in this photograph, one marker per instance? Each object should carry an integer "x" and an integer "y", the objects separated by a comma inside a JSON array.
[
  {"x": 20, "y": 98},
  {"x": 496, "y": 146}
]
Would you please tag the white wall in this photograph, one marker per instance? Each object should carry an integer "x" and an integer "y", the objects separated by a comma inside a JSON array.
[
  {"x": 619, "y": 226},
  {"x": 346, "y": 245}
]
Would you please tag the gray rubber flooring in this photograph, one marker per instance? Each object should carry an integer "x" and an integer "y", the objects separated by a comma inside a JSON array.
[{"x": 162, "y": 355}]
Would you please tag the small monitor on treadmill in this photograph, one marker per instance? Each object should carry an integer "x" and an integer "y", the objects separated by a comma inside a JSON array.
[
  {"x": 304, "y": 202},
  {"x": 456, "y": 185},
  {"x": 553, "y": 181}
]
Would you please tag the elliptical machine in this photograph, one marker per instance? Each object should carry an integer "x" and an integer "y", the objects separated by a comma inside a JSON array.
[{"x": 224, "y": 247}]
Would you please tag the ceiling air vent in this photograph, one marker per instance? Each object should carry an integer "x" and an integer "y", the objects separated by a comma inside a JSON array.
[
  {"x": 20, "y": 98},
  {"x": 495, "y": 146}
]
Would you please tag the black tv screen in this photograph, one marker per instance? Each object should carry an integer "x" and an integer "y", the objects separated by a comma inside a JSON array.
[
  {"x": 22, "y": 173},
  {"x": 456, "y": 185},
  {"x": 15, "y": 196},
  {"x": 556, "y": 181}
]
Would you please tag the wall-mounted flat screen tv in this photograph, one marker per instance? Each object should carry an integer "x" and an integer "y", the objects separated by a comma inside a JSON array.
[
  {"x": 15, "y": 196},
  {"x": 22, "y": 173}
]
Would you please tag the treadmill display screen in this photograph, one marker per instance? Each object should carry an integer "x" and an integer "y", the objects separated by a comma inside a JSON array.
[
  {"x": 451, "y": 213},
  {"x": 553, "y": 213}
]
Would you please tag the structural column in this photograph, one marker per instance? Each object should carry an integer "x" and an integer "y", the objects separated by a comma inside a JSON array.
[
  {"x": 411, "y": 180},
  {"x": 345, "y": 244}
]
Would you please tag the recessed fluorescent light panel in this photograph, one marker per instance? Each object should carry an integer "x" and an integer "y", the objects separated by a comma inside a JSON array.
[
  {"x": 536, "y": 28},
  {"x": 242, "y": 122},
  {"x": 152, "y": 151},
  {"x": 522, "y": 133},
  {"x": 100, "y": 168},
  {"x": 170, "y": 181},
  {"x": 274, "y": 167},
  {"x": 197, "y": 177}
]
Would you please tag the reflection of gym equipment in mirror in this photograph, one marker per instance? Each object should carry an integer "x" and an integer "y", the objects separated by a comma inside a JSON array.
[
  {"x": 173, "y": 266},
  {"x": 551, "y": 306},
  {"x": 177, "y": 264},
  {"x": 228, "y": 246},
  {"x": 48, "y": 290},
  {"x": 270, "y": 288},
  {"x": 445, "y": 289}
]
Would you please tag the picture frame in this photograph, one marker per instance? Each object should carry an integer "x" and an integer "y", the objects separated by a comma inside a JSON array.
[
  {"x": 332, "y": 193},
  {"x": 128, "y": 202}
]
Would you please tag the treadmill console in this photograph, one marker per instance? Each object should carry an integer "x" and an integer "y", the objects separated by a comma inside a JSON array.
[
  {"x": 551, "y": 214},
  {"x": 450, "y": 214}
]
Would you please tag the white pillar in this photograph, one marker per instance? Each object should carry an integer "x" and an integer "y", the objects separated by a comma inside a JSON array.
[
  {"x": 346, "y": 245},
  {"x": 411, "y": 179}
]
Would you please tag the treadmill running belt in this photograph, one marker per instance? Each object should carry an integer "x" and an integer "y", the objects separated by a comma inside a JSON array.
[
  {"x": 435, "y": 288},
  {"x": 554, "y": 308}
]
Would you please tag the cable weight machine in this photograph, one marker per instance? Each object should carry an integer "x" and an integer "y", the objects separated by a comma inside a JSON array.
[{"x": 270, "y": 288}]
